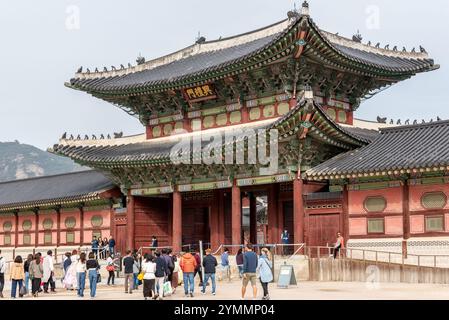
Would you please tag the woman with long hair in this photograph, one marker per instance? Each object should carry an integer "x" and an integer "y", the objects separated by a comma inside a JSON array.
[
  {"x": 81, "y": 274},
  {"x": 110, "y": 267},
  {"x": 26, "y": 268},
  {"x": 149, "y": 278},
  {"x": 92, "y": 267},
  {"x": 266, "y": 275},
  {"x": 36, "y": 271},
  {"x": 16, "y": 275}
]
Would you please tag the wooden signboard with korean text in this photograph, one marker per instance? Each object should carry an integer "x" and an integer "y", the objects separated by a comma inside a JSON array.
[{"x": 200, "y": 93}]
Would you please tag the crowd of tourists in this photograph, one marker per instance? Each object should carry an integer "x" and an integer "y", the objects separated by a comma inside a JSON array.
[{"x": 159, "y": 272}]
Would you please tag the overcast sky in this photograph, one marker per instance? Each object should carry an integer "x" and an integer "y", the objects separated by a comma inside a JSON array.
[{"x": 44, "y": 42}]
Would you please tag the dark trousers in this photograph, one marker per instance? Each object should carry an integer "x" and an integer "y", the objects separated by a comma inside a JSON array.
[
  {"x": 2, "y": 281},
  {"x": 35, "y": 285},
  {"x": 52, "y": 284},
  {"x": 336, "y": 251},
  {"x": 198, "y": 271},
  {"x": 111, "y": 277},
  {"x": 148, "y": 287},
  {"x": 265, "y": 288}
]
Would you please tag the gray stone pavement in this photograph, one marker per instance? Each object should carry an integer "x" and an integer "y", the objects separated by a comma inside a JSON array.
[{"x": 306, "y": 290}]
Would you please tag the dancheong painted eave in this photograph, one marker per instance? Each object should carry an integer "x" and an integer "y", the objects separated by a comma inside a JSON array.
[
  {"x": 398, "y": 150},
  {"x": 156, "y": 152},
  {"x": 212, "y": 60}
]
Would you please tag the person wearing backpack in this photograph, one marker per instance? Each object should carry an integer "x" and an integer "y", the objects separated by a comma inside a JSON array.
[{"x": 2, "y": 273}]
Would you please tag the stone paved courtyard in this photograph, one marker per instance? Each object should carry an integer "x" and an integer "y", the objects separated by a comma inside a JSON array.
[{"x": 303, "y": 291}]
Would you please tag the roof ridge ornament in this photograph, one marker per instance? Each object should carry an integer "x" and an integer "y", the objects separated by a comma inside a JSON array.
[
  {"x": 305, "y": 9},
  {"x": 140, "y": 60},
  {"x": 357, "y": 37}
]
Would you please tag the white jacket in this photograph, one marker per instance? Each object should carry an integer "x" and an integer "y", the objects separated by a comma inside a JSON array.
[
  {"x": 2, "y": 265},
  {"x": 148, "y": 268}
]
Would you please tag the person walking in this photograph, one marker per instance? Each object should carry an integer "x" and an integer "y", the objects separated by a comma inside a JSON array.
[
  {"x": 266, "y": 275},
  {"x": 81, "y": 274},
  {"x": 136, "y": 271},
  {"x": 92, "y": 267},
  {"x": 225, "y": 268},
  {"x": 209, "y": 264},
  {"x": 169, "y": 262},
  {"x": 198, "y": 269},
  {"x": 128, "y": 263},
  {"x": 16, "y": 275},
  {"x": 49, "y": 272},
  {"x": 239, "y": 262},
  {"x": 250, "y": 263},
  {"x": 175, "y": 273},
  {"x": 161, "y": 273},
  {"x": 67, "y": 262},
  {"x": 188, "y": 266},
  {"x": 149, "y": 277},
  {"x": 2, "y": 273},
  {"x": 36, "y": 271},
  {"x": 110, "y": 267},
  {"x": 111, "y": 246},
  {"x": 26, "y": 269},
  {"x": 70, "y": 278},
  {"x": 95, "y": 244},
  {"x": 339, "y": 244}
]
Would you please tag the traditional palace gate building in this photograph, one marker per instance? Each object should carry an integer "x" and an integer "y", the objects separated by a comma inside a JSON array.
[{"x": 300, "y": 85}]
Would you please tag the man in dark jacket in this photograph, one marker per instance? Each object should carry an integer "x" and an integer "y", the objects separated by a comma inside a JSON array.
[
  {"x": 168, "y": 262},
  {"x": 209, "y": 264},
  {"x": 128, "y": 263},
  {"x": 161, "y": 273},
  {"x": 111, "y": 246},
  {"x": 250, "y": 262}
]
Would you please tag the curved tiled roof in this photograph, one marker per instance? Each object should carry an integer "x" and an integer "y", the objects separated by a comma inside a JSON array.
[
  {"x": 216, "y": 56},
  {"x": 53, "y": 190},
  {"x": 422, "y": 146}
]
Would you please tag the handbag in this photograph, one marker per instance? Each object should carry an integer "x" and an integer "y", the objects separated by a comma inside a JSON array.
[
  {"x": 23, "y": 291},
  {"x": 110, "y": 267},
  {"x": 140, "y": 276},
  {"x": 167, "y": 289},
  {"x": 98, "y": 277}
]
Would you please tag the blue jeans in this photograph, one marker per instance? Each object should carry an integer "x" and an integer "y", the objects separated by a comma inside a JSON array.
[
  {"x": 93, "y": 282},
  {"x": 188, "y": 279},
  {"x": 206, "y": 279},
  {"x": 81, "y": 279},
  {"x": 14, "y": 287},
  {"x": 111, "y": 250},
  {"x": 27, "y": 280},
  {"x": 136, "y": 281}
]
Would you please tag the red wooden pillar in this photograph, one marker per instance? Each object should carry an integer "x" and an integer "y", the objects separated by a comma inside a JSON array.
[
  {"x": 81, "y": 225},
  {"x": 344, "y": 221},
  {"x": 406, "y": 217},
  {"x": 221, "y": 217},
  {"x": 214, "y": 222},
  {"x": 130, "y": 226},
  {"x": 273, "y": 225},
  {"x": 58, "y": 226},
  {"x": 177, "y": 221},
  {"x": 236, "y": 215},
  {"x": 252, "y": 218},
  {"x": 36, "y": 228},
  {"x": 16, "y": 229},
  {"x": 298, "y": 209},
  {"x": 111, "y": 219}
]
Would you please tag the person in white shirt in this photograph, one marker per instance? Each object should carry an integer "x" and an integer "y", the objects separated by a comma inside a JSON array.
[
  {"x": 149, "y": 278},
  {"x": 49, "y": 272},
  {"x": 81, "y": 274},
  {"x": 110, "y": 267}
]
